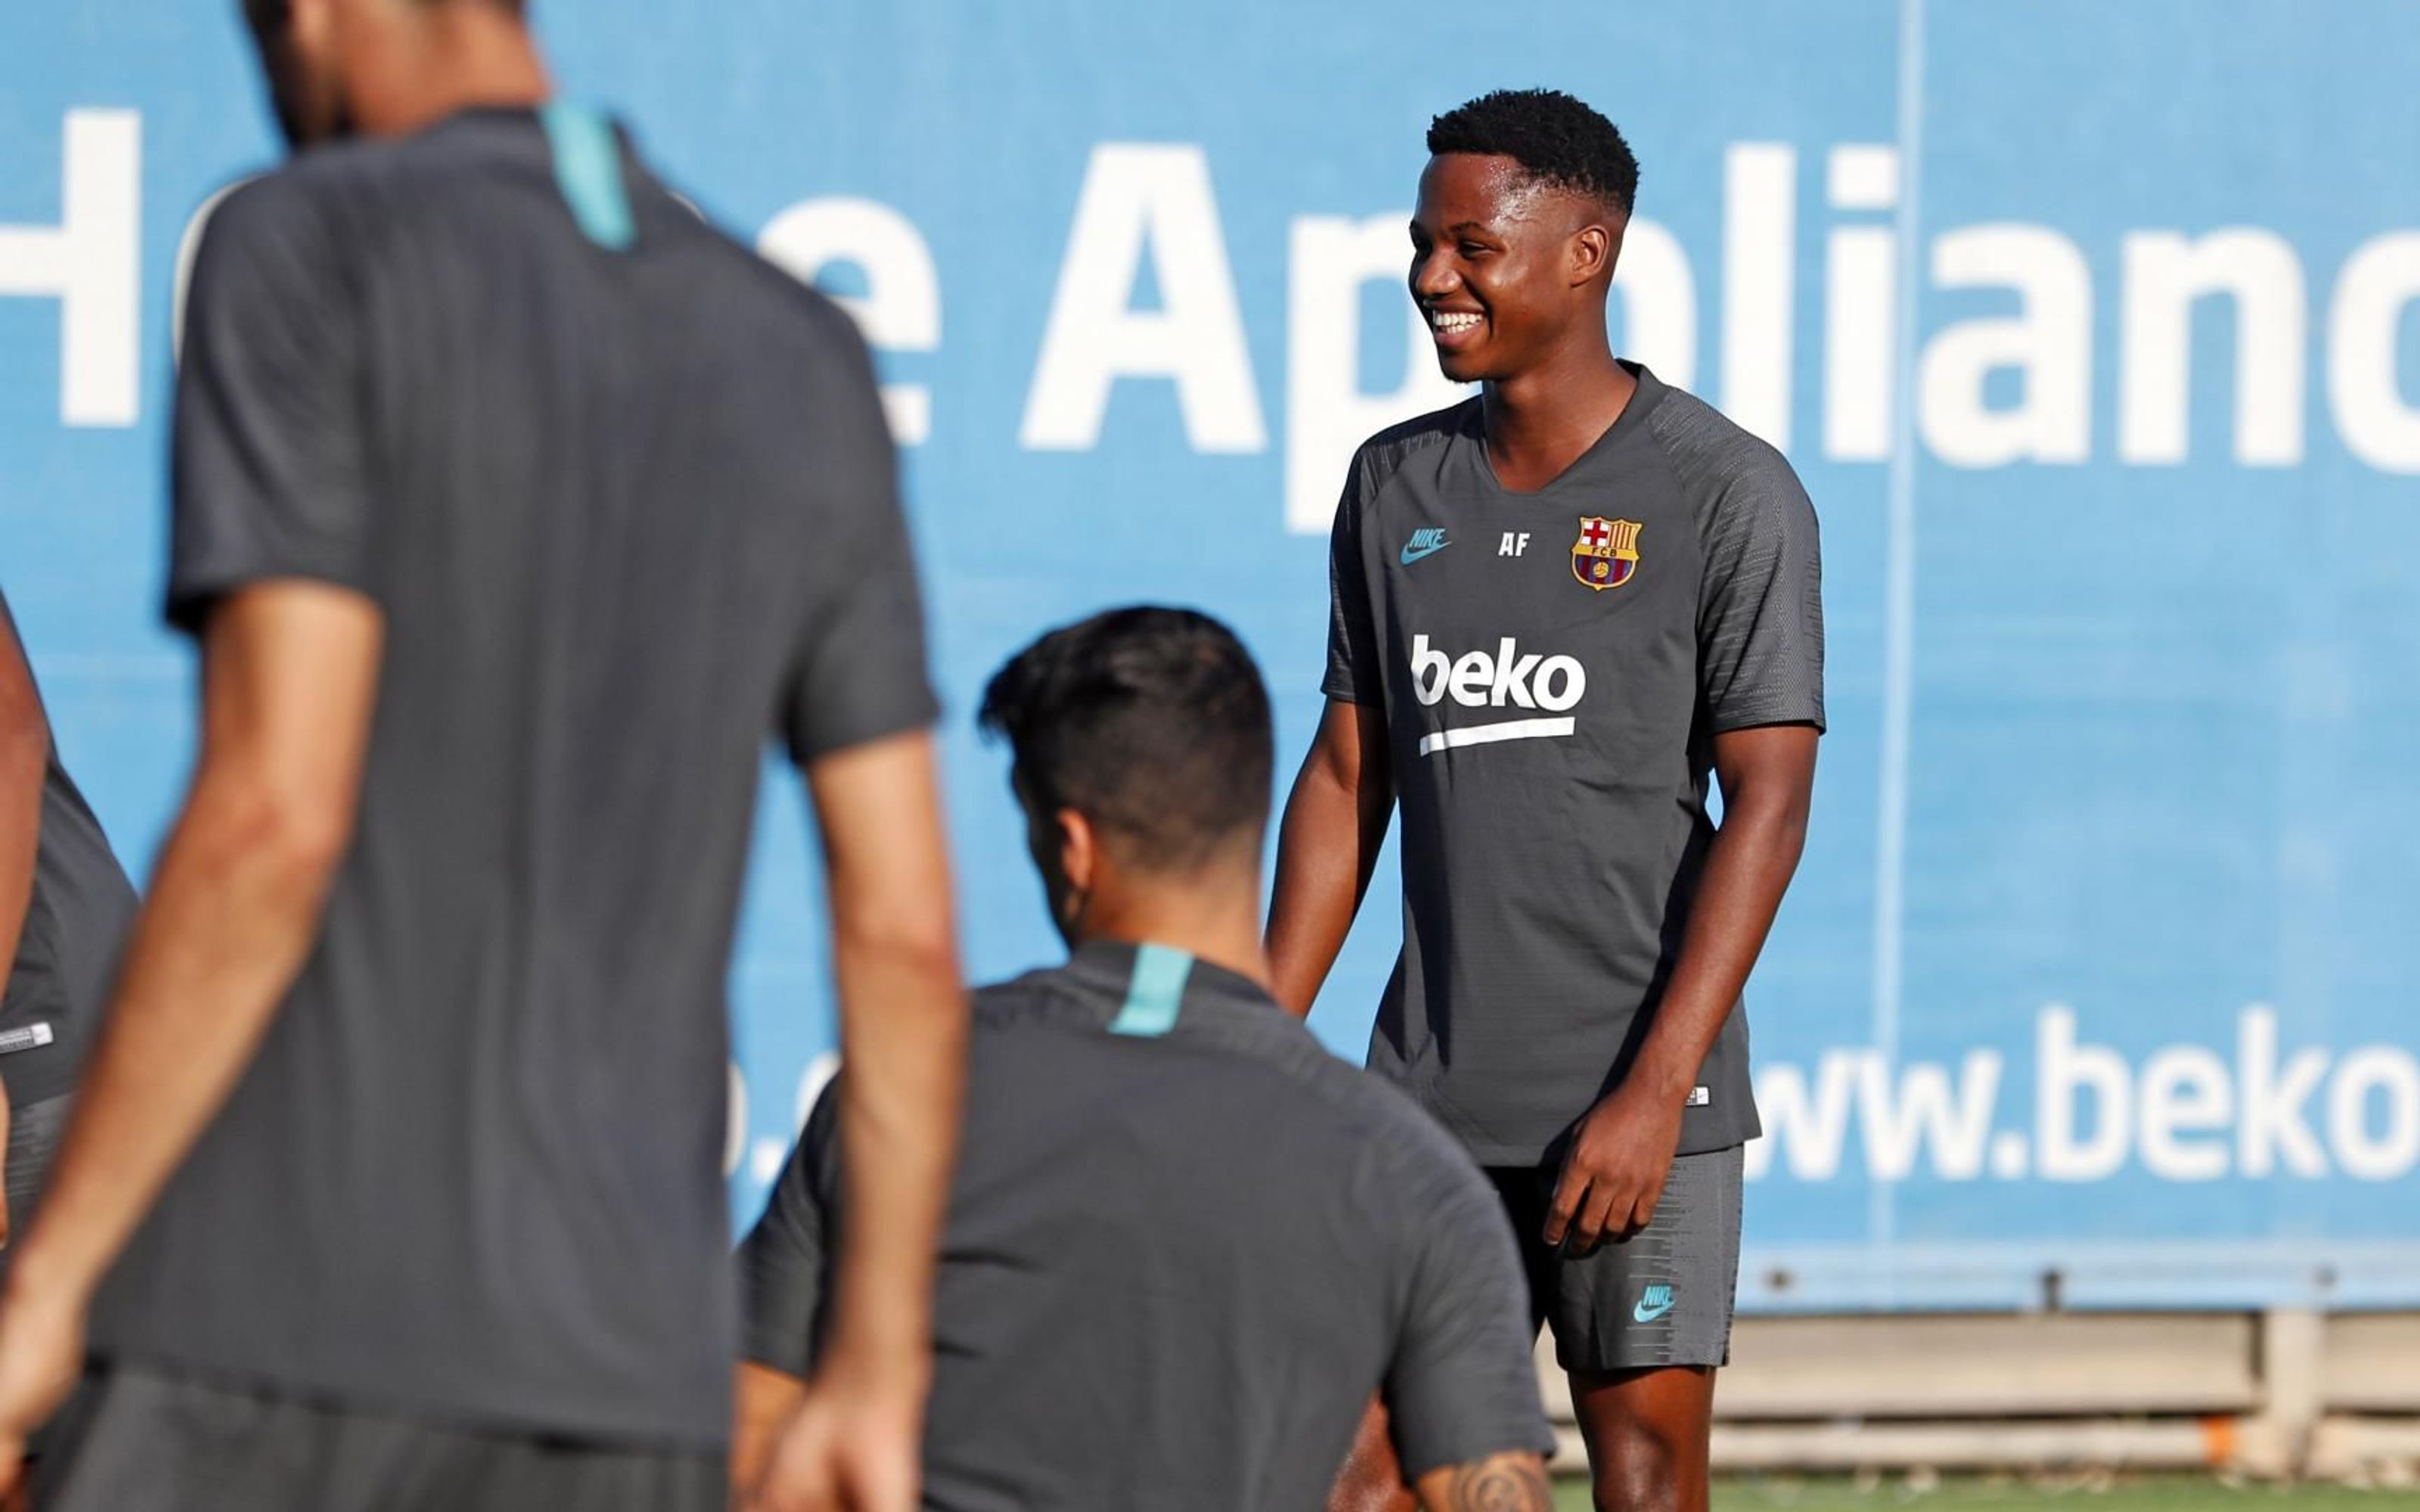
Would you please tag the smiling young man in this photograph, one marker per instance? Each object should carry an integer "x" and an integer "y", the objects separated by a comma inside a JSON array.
[{"x": 1556, "y": 610}]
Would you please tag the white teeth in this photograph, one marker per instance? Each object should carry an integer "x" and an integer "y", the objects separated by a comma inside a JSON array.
[{"x": 1446, "y": 321}]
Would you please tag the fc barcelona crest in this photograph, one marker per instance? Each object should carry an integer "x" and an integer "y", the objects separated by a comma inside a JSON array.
[{"x": 1607, "y": 553}]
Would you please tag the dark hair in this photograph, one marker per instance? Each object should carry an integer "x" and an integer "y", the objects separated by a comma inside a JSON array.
[
  {"x": 1151, "y": 722},
  {"x": 1558, "y": 139}
]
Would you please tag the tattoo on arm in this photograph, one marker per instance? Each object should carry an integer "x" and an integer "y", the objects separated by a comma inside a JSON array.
[{"x": 1507, "y": 1483}]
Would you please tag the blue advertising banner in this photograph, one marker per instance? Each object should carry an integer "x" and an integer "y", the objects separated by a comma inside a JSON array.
[{"x": 2094, "y": 332}]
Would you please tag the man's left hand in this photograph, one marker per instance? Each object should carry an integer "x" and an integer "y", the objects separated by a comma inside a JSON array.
[
  {"x": 1614, "y": 1171},
  {"x": 42, "y": 1354}
]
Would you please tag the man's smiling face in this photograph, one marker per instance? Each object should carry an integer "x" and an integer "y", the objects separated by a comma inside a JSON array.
[{"x": 1492, "y": 264}]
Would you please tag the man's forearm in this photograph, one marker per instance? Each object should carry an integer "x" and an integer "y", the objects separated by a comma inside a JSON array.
[
  {"x": 1514, "y": 1482},
  {"x": 24, "y": 762},
  {"x": 233, "y": 909},
  {"x": 903, "y": 1036},
  {"x": 1318, "y": 888},
  {"x": 904, "y": 1042},
  {"x": 1327, "y": 846},
  {"x": 24, "y": 759},
  {"x": 1748, "y": 868},
  {"x": 762, "y": 1401}
]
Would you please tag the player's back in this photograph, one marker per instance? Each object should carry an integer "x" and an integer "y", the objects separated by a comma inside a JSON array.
[
  {"x": 1184, "y": 1246},
  {"x": 623, "y": 496}
]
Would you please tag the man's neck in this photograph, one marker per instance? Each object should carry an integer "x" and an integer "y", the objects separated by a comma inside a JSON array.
[
  {"x": 1541, "y": 422},
  {"x": 1221, "y": 927},
  {"x": 470, "y": 58}
]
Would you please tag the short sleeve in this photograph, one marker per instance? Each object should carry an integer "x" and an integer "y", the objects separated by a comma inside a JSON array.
[
  {"x": 269, "y": 473},
  {"x": 1354, "y": 674},
  {"x": 786, "y": 1261},
  {"x": 1461, "y": 1386},
  {"x": 1760, "y": 613},
  {"x": 858, "y": 672}
]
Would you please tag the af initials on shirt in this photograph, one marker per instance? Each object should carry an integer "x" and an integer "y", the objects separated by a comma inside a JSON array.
[{"x": 1551, "y": 709}]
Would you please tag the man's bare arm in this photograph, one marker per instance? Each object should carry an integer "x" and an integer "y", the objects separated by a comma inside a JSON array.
[
  {"x": 1613, "y": 1174},
  {"x": 854, "y": 1440},
  {"x": 24, "y": 762},
  {"x": 902, "y": 1012},
  {"x": 1514, "y": 1482},
  {"x": 289, "y": 678},
  {"x": 1327, "y": 845},
  {"x": 24, "y": 759}
]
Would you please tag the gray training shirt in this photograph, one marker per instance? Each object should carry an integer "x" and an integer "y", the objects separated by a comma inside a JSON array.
[
  {"x": 625, "y": 497},
  {"x": 1554, "y": 667},
  {"x": 1186, "y": 1245},
  {"x": 67, "y": 953}
]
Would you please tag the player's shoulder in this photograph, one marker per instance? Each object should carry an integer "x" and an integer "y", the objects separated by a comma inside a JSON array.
[
  {"x": 1399, "y": 1133},
  {"x": 1006, "y": 1003},
  {"x": 1377, "y": 460},
  {"x": 339, "y": 177},
  {"x": 1720, "y": 464},
  {"x": 789, "y": 304},
  {"x": 306, "y": 197},
  {"x": 344, "y": 200},
  {"x": 1046, "y": 999},
  {"x": 1412, "y": 1166},
  {"x": 1405, "y": 438}
]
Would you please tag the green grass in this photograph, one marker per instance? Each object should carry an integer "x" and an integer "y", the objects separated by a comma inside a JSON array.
[{"x": 2011, "y": 1494}]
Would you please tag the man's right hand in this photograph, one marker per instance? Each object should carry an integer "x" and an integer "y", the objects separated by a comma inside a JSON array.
[{"x": 846, "y": 1449}]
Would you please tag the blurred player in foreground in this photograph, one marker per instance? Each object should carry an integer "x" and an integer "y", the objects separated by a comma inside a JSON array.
[
  {"x": 65, "y": 904},
  {"x": 514, "y": 508},
  {"x": 1555, "y": 608},
  {"x": 1186, "y": 1244}
]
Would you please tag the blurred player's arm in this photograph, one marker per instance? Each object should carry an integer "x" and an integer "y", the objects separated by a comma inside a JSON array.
[
  {"x": 1622, "y": 1150},
  {"x": 857, "y": 719},
  {"x": 289, "y": 674},
  {"x": 856, "y": 1438},
  {"x": 24, "y": 757},
  {"x": 902, "y": 1011},
  {"x": 1327, "y": 847},
  {"x": 1506, "y": 1482}
]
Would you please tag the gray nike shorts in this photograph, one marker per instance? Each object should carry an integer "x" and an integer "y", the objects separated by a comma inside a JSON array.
[
  {"x": 139, "y": 1441},
  {"x": 1663, "y": 1296}
]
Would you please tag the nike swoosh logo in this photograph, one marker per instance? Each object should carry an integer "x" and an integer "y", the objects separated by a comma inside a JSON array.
[
  {"x": 1414, "y": 553},
  {"x": 1644, "y": 1314}
]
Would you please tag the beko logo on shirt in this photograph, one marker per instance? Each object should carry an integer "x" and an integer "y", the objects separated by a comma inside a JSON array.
[{"x": 1506, "y": 680}]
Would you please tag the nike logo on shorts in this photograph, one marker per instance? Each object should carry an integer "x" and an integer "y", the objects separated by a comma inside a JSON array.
[{"x": 1655, "y": 1304}]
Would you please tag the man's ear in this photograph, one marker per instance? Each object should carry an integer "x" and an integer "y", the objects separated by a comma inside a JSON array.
[
  {"x": 311, "y": 27},
  {"x": 1079, "y": 855},
  {"x": 1593, "y": 248}
]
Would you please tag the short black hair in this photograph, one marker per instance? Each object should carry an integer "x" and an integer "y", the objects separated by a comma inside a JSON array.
[
  {"x": 1558, "y": 139},
  {"x": 1151, "y": 722}
]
